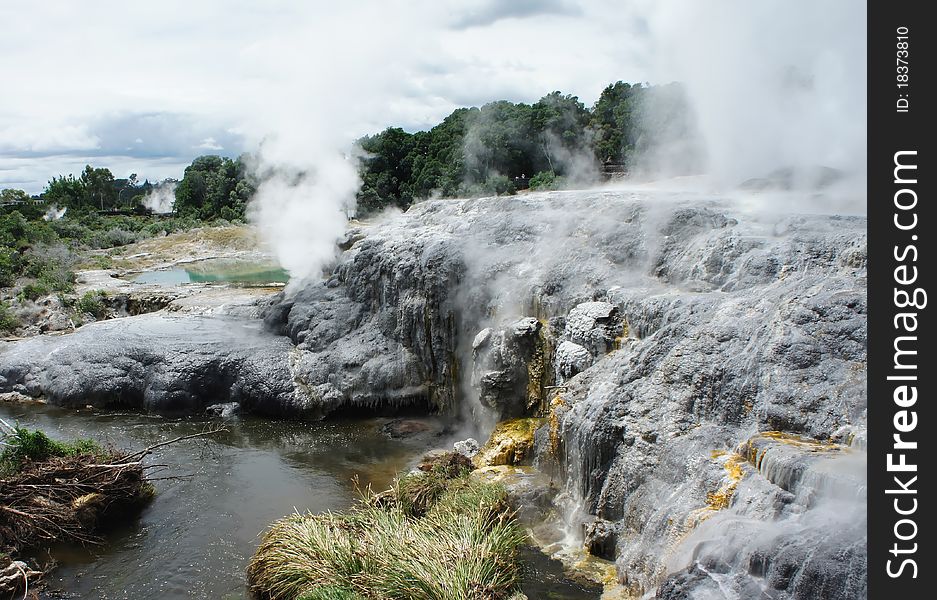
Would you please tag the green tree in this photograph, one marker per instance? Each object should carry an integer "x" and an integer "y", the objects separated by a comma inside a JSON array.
[
  {"x": 65, "y": 191},
  {"x": 387, "y": 169},
  {"x": 12, "y": 196},
  {"x": 99, "y": 189},
  {"x": 613, "y": 122},
  {"x": 212, "y": 183}
]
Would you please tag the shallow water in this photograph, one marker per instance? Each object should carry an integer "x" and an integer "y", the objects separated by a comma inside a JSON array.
[
  {"x": 216, "y": 271},
  {"x": 195, "y": 538}
]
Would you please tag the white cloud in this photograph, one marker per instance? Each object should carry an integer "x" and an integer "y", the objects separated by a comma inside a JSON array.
[{"x": 209, "y": 143}]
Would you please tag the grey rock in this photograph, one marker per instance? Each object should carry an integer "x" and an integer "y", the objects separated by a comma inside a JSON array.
[
  {"x": 468, "y": 447},
  {"x": 225, "y": 410},
  {"x": 570, "y": 359},
  {"x": 601, "y": 538},
  {"x": 482, "y": 338},
  {"x": 594, "y": 326},
  {"x": 510, "y": 368},
  {"x": 157, "y": 362},
  {"x": 738, "y": 322}
]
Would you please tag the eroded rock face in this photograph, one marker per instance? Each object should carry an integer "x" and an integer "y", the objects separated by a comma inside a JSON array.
[{"x": 510, "y": 368}]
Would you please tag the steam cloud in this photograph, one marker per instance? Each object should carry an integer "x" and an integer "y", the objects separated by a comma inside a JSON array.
[
  {"x": 54, "y": 213},
  {"x": 161, "y": 198},
  {"x": 773, "y": 84}
]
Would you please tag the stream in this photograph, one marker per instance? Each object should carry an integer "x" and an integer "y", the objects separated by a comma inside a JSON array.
[{"x": 195, "y": 539}]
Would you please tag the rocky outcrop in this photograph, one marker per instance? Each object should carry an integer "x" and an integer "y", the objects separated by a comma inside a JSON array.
[
  {"x": 511, "y": 368},
  {"x": 656, "y": 333},
  {"x": 158, "y": 362}
]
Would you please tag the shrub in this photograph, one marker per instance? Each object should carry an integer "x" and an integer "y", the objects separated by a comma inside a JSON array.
[
  {"x": 500, "y": 184},
  {"x": 51, "y": 265},
  {"x": 101, "y": 261},
  {"x": 547, "y": 180},
  {"x": 544, "y": 180},
  {"x": 8, "y": 266},
  {"x": 24, "y": 445},
  {"x": 113, "y": 237},
  {"x": 91, "y": 303},
  {"x": 34, "y": 290}
]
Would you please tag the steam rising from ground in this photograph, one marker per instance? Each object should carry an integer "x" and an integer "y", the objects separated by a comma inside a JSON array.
[
  {"x": 304, "y": 213},
  {"x": 54, "y": 213},
  {"x": 161, "y": 198},
  {"x": 325, "y": 97},
  {"x": 773, "y": 84}
]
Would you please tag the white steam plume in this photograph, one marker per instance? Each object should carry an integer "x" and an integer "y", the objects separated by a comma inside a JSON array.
[
  {"x": 303, "y": 214},
  {"x": 54, "y": 213},
  {"x": 327, "y": 93},
  {"x": 773, "y": 84},
  {"x": 161, "y": 198}
]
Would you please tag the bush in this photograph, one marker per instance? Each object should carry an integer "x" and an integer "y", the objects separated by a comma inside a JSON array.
[
  {"x": 547, "y": 180},
  {"x": 101, "y": 261},
  {"x": 113, "y": 238},
  {"x": 500, "y": 184},
  {"x": 543, "y": 180},
  {"x": 8, "y": 266},
  {"x": 34, "y": 291},
  {"x": 91, "y": 303},
  {"x": 26, "y": 445}
]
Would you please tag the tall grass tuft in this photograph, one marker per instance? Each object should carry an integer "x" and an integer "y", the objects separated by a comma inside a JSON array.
[{"x": 430, "y": 537}]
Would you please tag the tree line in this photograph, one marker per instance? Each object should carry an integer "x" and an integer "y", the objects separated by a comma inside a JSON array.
[
  {"x": 494, "y": 149},
  {"x": 212, "y": 187}
]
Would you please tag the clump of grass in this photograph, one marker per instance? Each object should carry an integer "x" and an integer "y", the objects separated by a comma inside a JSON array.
[
  {"x": 23, "y": 446},
  {"x": 432, "y": 535},
  {"x": 99, "y": 261}
]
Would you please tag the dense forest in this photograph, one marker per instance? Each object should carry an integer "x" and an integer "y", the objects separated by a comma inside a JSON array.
[
  {"x": 502, "y": 147},
  {"x": 211, "y": 187}
]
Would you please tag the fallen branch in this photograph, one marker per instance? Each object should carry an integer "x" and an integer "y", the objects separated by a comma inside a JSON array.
[{"x": 149, "y": 449}]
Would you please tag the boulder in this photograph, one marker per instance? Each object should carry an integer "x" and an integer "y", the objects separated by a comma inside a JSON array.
[{"x": 511, "y": 443}]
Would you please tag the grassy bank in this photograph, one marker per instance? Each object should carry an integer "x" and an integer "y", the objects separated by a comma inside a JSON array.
[{"x": 435, "y": 535}]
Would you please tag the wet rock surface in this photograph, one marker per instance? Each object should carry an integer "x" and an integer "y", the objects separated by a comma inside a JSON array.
[
  {"x": 509, "y": 368},
  {"x": 511, "y": 443}
]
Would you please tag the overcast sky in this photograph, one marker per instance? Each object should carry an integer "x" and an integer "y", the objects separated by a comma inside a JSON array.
[{"x": 146, "y": 87}]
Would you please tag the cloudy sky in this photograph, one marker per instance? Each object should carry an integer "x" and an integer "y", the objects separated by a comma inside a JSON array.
[{"x": 145, "y": 87}]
